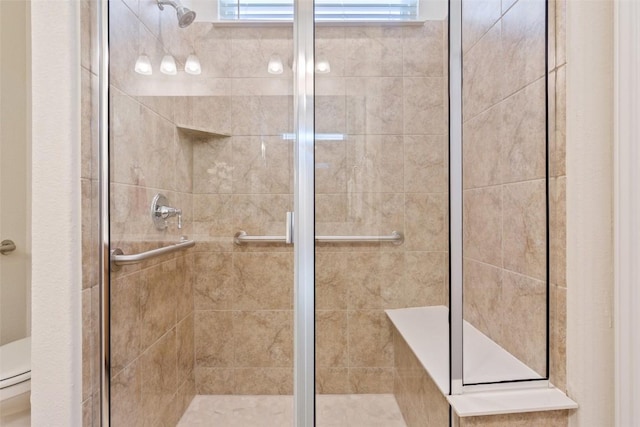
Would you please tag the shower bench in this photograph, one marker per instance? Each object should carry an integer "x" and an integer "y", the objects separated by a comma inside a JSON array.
[{"x": 424, "y": 332}]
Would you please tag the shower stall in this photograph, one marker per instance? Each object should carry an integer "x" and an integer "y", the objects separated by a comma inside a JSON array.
[{"x": 320, "y": 213}]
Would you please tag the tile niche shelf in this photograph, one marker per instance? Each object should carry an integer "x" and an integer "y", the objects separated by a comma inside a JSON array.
[
  {"x": 426, "y": 332},
  {"x": 199, "y": 132}
]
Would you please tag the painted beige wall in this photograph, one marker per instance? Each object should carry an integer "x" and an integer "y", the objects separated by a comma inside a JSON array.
[
  {"x": 590, "y": 344},
  {"x": 14, "y": 190}
]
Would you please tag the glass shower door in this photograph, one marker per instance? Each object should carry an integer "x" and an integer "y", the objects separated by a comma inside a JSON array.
[{"x": 381, "y": 200}]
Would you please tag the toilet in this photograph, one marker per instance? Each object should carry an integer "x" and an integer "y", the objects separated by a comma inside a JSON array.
[{"x": 15, "y": 376}]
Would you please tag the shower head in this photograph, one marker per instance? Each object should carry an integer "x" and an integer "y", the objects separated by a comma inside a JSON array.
[{"x": 185, "y": 15}]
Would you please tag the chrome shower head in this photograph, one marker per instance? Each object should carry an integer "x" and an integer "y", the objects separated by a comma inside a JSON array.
[{"x": 185, "y": 15}]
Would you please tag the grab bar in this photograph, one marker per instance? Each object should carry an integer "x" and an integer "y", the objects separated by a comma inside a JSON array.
[
  {"x": 118, "y": 258},
  {"x": 7, "y": 246},
  {"x": 395, "y": 237}
]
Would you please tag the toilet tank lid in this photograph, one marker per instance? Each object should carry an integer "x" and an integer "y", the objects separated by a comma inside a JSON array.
[{"x": 15, "y": 358}]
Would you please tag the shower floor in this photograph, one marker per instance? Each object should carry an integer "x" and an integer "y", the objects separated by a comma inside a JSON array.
[{"x": 333, "y": 410}]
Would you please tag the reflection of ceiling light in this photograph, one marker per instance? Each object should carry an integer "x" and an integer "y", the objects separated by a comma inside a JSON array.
[
  {"x": 168, "y": 65},
  {"x": 192, "y": 66},
  {"x": 323, "y": 67},
  {"x": 275, "y": 65},
  {"x": 143, "y": 65}
]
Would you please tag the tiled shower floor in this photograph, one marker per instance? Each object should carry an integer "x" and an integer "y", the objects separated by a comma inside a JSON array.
[{"x": 333, "y": 410}]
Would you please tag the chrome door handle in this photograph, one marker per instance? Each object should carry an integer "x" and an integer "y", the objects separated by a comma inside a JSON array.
[{"x": 7, "y": 246}]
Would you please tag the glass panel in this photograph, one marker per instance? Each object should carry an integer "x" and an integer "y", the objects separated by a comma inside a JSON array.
[
  {"x": 204, "y": 333},
  {"x": 383, "y": 90},
  {"x": 505, "y": 191}
]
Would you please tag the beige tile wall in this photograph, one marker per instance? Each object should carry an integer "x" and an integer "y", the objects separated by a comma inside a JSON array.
[
  {"x": 89, "y": 226},
  {"x": 504, "y": 127},
  {"x": 386, "y": 93}
]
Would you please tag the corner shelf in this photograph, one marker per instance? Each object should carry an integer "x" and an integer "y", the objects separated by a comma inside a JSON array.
[{"x": 200, "y": 132}]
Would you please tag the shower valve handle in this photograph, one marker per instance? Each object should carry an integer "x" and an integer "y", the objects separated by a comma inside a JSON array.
[{"x": 161, "y": 211}]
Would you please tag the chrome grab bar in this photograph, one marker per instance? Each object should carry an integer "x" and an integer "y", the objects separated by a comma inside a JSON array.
[
  {"x": 7, "y": 246},
  {"x": 118, "y": 258},
  {"x": 395, "y": 237}
]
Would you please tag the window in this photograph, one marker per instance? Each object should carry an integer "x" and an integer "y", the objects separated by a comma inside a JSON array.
[{"x": 326, "y": 10}]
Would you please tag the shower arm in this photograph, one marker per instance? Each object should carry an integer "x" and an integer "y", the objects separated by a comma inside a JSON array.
[{"x": 163, "y": 3}]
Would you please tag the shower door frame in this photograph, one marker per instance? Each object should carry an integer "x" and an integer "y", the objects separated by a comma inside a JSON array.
[{"x": 303, "y": 224}]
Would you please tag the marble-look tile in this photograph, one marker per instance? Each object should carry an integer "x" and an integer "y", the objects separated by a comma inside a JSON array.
[
  {"x": 211, "y": 112},
  {"x": 125, "y": 320},
  {"x": 85, "y": 34},
  {"x": 89, "y": 268},
  {"x": 86, "y": 344},
  {"x": 523, "y": 41},
  {"x": 558, "y": 232},
  {"x": 371, "y": 380},
  {"x": 331, "y": 166},
  {"x": 524, "y": 228},
  {"x": 261, "y": 115},
  {"x": 215, "y": 380},
  {"x": 240, "y": 411},
  {"x": 261, "y": 214},
  {"x": 86, "y": 134},
  {"x": 482, "y": 294},
  {"x": 183, "y": 163},
  {"x": 330, "y": 46},
  {"x": 263, "y": 339},
  {"x": 370, "y": 340},
  {"x": 423, "y": 105},
  {"x": 158, "y": 366},
  {"x": 214, "y": 39},
  {"x": 561, "y": 32},
  {"x": 330, "y": 114},
  {"x": 551, "y": 35},
  {"x": 523, "y": 134},
  {"x": 355, "y": 410},
  {"x": 184, "y": 395},
  {"x": 425, "y": 222},
  {"x": 422, "y": 50},
  {"x": 375, "y": 163},
  {"x": 123, "y": 43},
  {"x": 264, "y": 281},
  {"x": 425, "y": 163},
  {"x": 373, "y": 51},
  {"x": 157, "y": 302},
  {"x": 96, "y": 355},
  {"x": 331, "y": 338},
  {"x": 264, "y": 381},
  {"x": 424, "y": 283},
  {"x": 559, "y": 340},
  {"x": 561, "y": 122},
  {"x": 126, "y": 397},
  {"x": 253, "y": 46},
  {"x": 332, "y": 381},
  {"x": 524, "y": 320},
  {"x": 541, "y": 419},
  {"x": 212, "y": 166},
  {"x": 213, "y": 215},
  {"x": 374, "y": 280},
  {"x": 482, "y": 228},
  {"x": 184, "y": 286},
  {"x": 482, "y": 148},
  {"x": 214, "y": 284},
  {"x": 185, "y": 346},
  {"x": 261, "y": 165},
  {"x": 87, "y": 416},
  {"x": 331, "y": 288},
  {"x": 478, "y": 16},
  {"x": 214, "y": 338},
  {"x": 375, "y": 105},
  {"x": 482, "y": 72}
]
